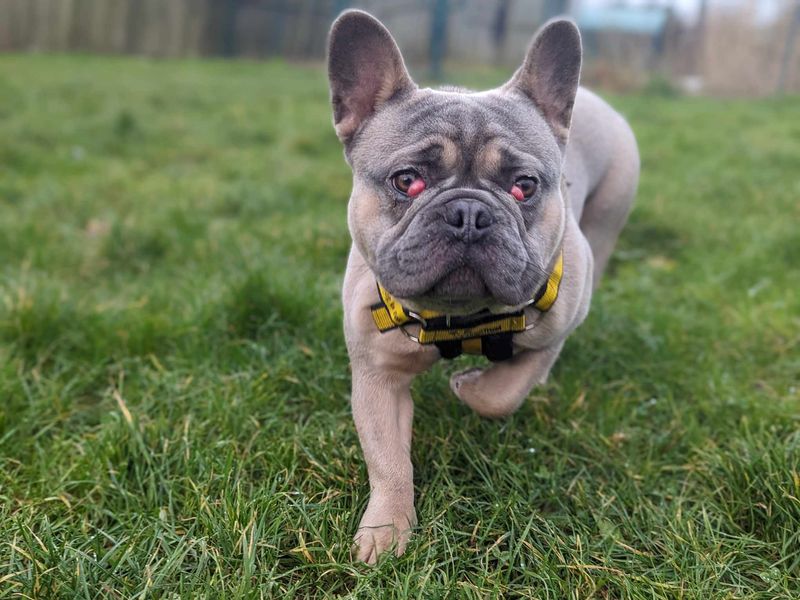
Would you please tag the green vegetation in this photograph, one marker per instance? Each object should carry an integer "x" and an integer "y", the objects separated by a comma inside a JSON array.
[{"x": 174, "y": 416}]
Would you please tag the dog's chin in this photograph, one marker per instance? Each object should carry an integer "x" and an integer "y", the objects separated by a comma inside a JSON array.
[
  {"x": 463, "y": 284},
  {"x": 460, "y": 292}
]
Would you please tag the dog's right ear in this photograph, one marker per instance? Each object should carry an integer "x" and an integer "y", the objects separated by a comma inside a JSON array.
[
  {"x": 365, "y": 69},
  {"x": 551, "y": 73}
]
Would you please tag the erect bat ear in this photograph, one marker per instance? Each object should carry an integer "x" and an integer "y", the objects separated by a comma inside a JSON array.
[
  {"x": 550, "y": 74},
  {"x": 365, "y": 70}
]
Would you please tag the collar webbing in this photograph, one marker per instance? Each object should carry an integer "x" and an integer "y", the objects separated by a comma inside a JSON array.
[
  {"x": 548, "y": 293},
  {"x": 439, "y": 328}
]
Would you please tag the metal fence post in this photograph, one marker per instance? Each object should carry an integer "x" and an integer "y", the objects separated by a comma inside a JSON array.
[
  {"x": 229, "y": 28},
  {"x": 438, "y": 42}
]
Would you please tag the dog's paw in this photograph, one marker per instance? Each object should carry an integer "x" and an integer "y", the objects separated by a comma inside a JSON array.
[
  {"x": 382, "y": 528},
  {"x": 461, "y": 380},
  {"x": 472, "y": 390}
]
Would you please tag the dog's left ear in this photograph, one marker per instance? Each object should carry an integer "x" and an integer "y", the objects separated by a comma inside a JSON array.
[
  {"x": 365, "y": 69},
  {"x": 550, "y": 74}
]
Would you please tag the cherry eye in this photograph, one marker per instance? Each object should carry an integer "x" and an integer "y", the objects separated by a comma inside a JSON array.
[
  {"x": 408, "y": 182},
  {"x": 524, "y": 188}
]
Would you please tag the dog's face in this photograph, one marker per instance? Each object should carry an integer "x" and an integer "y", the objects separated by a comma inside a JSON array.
[{"x": 457, "y": 198}]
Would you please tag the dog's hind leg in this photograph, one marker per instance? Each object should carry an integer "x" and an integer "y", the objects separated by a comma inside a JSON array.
[{"x": 501, "y": 389}]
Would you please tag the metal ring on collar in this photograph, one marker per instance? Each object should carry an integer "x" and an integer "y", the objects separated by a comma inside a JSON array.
[
  {"x": 410, "y": 336},
  {"x": 417, "y": 317}
]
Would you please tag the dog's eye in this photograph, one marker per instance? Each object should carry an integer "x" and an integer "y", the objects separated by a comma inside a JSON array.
[
  {"x": 524, "y": 188},
  {"x": 408, "y": 182}
]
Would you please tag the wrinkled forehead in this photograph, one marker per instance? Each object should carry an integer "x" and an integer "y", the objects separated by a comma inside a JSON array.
[{"x": 480, "y": 132}]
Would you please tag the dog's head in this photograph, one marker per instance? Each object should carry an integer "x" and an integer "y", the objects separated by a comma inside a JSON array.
[{"x": 457, "y": 201}]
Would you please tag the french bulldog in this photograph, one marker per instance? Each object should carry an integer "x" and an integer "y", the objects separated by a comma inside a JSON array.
[{"x": 463, "y": 203}]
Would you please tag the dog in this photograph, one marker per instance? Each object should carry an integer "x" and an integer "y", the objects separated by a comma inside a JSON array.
[{"x": 481, "y": 223}]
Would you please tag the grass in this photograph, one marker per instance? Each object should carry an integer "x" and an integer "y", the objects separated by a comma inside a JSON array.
[{"x": 174, "y": 416}]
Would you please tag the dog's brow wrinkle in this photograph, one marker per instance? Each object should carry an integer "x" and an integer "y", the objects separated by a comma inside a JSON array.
[{"x": 420, "y": 152}]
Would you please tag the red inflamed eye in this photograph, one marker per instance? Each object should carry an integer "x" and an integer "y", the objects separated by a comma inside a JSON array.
[
  {"x": 408, "y": 182},
  {"x": 524, "y": 188}
]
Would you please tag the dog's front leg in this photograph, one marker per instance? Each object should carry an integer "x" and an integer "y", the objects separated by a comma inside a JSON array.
[
  {"x": 383, "y": 412},
  {"x": 500, "y": 390}
]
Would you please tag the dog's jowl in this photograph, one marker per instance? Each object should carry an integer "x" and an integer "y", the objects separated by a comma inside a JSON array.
[{"x": 481, "y": 223}]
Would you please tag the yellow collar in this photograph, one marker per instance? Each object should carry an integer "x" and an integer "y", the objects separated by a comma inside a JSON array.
[{"x": 480, "y": 333}]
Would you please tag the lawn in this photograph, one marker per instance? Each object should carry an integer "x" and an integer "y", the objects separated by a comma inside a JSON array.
[{"x": 174, "y": 416}]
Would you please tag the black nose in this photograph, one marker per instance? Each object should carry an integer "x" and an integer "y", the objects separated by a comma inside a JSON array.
[{"x": 468, "y": 219}]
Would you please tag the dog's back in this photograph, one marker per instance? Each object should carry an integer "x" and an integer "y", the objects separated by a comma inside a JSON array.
[{"x": 602, "y": 173}]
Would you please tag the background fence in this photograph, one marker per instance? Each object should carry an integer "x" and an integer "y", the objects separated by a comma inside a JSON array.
[{"x": 724, "y": 46}]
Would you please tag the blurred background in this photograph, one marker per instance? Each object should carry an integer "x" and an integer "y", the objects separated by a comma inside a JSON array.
[
  {"x": 716, "y": 47},
  {"x": 174, "y": 386}
]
